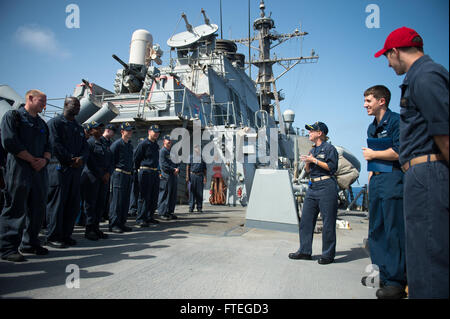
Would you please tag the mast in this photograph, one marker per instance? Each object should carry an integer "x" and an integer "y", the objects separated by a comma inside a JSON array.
[
  {"x": 265, "y": 74},
  {"x": 265, "y": 80}
]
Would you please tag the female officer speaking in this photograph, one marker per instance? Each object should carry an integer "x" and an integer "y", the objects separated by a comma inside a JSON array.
[{"x": 321, "y": 164}]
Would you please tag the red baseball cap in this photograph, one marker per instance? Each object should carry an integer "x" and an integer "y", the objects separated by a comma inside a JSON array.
[{"x": 399, "y": 38}]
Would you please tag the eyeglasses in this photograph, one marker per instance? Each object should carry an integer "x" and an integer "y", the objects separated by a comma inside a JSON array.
[{"x": 388, "y": 52}]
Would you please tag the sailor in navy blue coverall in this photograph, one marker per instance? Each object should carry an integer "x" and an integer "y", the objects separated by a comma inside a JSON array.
[
  {"x": 424, "y": 156},
  {"x": 322, "y": 196},
  {"x": 168, "y": 184},
  {"x": 25, "y": 137},
  {"x": 146, "y": 161},
  {"x": 386, "y": 222},
  {"x": 95, "y": 180},
  {"x": 70, "y": 153},
  {"x": 134, "y": 196},
  {"x": 108, "y": 134},
  {"x": 122, "y": 154},
  {"x": 195, "y": 178}
]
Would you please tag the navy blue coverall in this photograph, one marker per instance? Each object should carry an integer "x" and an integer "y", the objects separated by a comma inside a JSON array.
[
  {"x": 424, "y": 114},
  {"x": 3, "y": 155},
  {"x": 68, "y": 141},
  {"x": 134, "y": 196},
  {"x": 321, "y": 196},
  {"x": 107, "y": 143},
  {"x": 196, "y": 185},
  {"x": 146, "y": 160},
  {"x": 92, "y": 185},
  {"x": 386, "y": 222},
  {"x": 26, "y": 190},
  {"x": 122, "y": 154},
  {"x": 168, "y": 184}
]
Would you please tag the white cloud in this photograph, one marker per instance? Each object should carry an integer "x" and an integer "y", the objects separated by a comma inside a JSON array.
[{"x": 40, "y": 39}]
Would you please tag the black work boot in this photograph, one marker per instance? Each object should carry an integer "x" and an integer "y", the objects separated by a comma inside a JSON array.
[
  {"x": 90, "y": 233},
  {"x": 391, "y": 292},
  {"x": 100, "y": 234}
]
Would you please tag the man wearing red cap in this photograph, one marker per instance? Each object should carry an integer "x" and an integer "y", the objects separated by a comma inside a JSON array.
[{"x": 424, "y": 156}]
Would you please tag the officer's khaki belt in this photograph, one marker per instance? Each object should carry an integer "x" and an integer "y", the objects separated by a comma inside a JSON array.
[
  {"x": 321, "y": 178},
  {"x": 199, "y": 173},
  {"x": 122, "y": 171},
  {"x": 422, "y": 159},
  {"x": 148, "y": 168}
]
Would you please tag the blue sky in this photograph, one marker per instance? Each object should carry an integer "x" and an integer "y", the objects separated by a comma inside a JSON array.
[{"x": 39, "y": 51}]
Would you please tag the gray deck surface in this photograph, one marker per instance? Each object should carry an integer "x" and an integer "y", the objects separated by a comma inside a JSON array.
[{"x": 208, "y": 255}]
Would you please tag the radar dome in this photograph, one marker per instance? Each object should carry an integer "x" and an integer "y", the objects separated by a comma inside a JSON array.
[{"x": 288, "y": 116}]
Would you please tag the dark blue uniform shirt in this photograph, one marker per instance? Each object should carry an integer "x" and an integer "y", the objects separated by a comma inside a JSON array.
[
  {"x": 424, "y": 108},
  {"x": 21, "y": 131},
  {"x": 105, "y": 141},
  {"x": 389, "y": 127},
  {"x": 325, "y": 153},
  {"x": 3, "y": 154},
  {"x": 99, "y": 162},
  {"x": 146, "y": 154},
  {"x": 196, "y": 167},
  {"x": 166, "y": 164},
  {"x": 122, "y": 154},
  {"x": 67, "y": 140},
  {"x": 109, "y": 155}
]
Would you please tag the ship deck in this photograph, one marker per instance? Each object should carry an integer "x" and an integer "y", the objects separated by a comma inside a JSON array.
[{"x": 210, "y": 255}]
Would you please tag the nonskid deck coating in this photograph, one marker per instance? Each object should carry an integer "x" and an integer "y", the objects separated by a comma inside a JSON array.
[{"x": 200, "y": 255}]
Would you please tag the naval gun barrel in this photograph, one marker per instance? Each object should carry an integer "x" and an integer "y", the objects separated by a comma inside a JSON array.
[
  {"x": 131, "y": 70},
  {"x": 86, "y": 82},
  {"x": 115, "y": 57}
]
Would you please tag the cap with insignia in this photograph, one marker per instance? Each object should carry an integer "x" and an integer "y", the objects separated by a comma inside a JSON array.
[
  {"x": 155, "y": 128},
  {"x": 93, "y": 124},
  {"x": 318, "y": 126},
  {"x": 126, "y": 126},
  {"x": 111, "y": 127}
]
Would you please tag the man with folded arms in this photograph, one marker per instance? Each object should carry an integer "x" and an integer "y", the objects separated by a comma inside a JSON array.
[{"x": 70, "y": 153}]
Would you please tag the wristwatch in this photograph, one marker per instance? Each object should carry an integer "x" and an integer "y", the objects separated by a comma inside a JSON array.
[{"x": 317, "y": 161}]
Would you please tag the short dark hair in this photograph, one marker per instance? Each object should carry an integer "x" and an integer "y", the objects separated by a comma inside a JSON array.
[
  {"x": 378, "y": 92},
  {"x": 70, "y": 100},
  {"x": 411, "y": 49}
]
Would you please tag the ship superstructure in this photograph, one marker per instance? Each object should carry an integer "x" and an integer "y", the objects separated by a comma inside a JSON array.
[{"x": 205, "y": 87}]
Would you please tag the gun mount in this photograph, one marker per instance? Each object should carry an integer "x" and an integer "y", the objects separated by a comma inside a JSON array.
[{"x": 131, "y": 78}]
